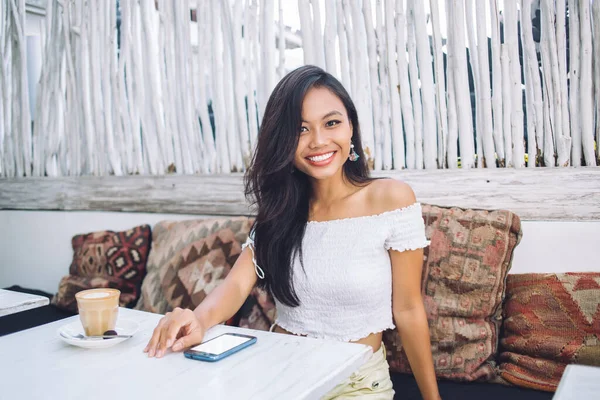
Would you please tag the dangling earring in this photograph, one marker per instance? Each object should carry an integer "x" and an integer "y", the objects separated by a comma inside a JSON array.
[{"x": 353, "y": 154}]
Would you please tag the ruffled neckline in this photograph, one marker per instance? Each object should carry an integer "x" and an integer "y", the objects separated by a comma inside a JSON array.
[{"x": 366, "y": 217}]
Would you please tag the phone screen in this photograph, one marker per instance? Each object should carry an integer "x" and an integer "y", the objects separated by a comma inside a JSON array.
[{"x": 221, "y": 344}]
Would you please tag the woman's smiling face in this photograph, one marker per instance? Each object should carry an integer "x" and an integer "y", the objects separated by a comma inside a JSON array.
[{"x": 325, "y": 134}]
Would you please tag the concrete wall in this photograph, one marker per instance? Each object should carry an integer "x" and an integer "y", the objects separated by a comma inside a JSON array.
[{"x": 35, "y": 246}]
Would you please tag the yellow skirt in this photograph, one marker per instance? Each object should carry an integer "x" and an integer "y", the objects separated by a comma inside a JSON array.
[{"x": 371, "y": 381}]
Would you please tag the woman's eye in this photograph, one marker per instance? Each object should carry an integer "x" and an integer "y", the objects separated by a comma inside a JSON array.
[
  {"x": 332, "y": 123},
  {"x": 303, "y": 129}
]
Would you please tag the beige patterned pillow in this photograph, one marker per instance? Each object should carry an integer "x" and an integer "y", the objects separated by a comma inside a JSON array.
[
  {"x": 464, "y": 274},
  {"x": 189, "y": 259}
]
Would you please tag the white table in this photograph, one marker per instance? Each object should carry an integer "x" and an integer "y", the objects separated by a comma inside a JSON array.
[
  {"x": 36, "y": 364},
  {"x": 578, "y": 382},
  {"x": 13, "y": 302}
]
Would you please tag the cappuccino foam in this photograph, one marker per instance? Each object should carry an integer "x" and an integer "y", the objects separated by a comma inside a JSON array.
[{"x": 96, "y": 295}]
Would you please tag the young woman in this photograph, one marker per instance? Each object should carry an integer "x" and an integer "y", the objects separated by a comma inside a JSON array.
[{"x": 340, "y": 252}]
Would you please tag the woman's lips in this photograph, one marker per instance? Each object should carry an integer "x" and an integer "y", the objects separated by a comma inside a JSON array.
[{"x": 321, "y": 160}]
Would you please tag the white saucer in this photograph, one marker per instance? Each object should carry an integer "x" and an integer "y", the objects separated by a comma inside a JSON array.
[{"x": 124, "y": 327}]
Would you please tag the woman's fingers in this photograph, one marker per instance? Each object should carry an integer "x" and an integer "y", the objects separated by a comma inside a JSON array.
[
  {"x": 177, "y": 330},
  {"x": 154, "y": 340},
  {"x": 193, "y": 338}
]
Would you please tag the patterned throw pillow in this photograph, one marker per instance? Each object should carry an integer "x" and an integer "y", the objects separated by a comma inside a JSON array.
[
  {"x": 464, "y": 272},
  {"x": 189, "y": 259},
  {"x": 258, "y": 312},
  {"x": 550, "y": 320},
  {"x": 116, "y": 254},
  {"x": 106, "y": 259}
]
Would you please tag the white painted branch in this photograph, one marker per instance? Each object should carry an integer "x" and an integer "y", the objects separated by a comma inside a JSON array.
[
  {"x": 586, "y": 105},
  {"x": 507, "y": 105},
  {"x": 280, "y": 41},
  {"x": 114, "y": 87},
  {"x": 378, "y": 131},
  {"x": 351, "y": 37},
  {"x": 549, "y": 14},
  {"x": 452, "y": 140},
  {"x": 440, "y": 84},
  {"x": 574, "y": 82},
  {"x": 404, "y": 89},
  {"x": 535, "y": 112},
  {"x": 461, "y": 86},
  {"x": 330, "y": 36},
  {"x": 252, "y": 60},
  {"x": 393, "y": 86},
  {"x": 84, "y": 68},
  {"x": 497, "y": 97},
  {"x": 427, "y": 88},
  {"x": 485, "y": 103},
  {"x": 200, "y": 160},
  {"x": 530, "y": 115},
  {"x": 474, "y": 59},
  {"x": 107, "y": 56},
  {"x": 596, "y": 43},
  {"x": 306, "y": 27},
  {"x": 238, "y": 86},
  {"x": 388, "y": 159},
  {"x": 343, "y": 44},
  {"x": 217, "y": 53},
  {"x": 267, "y": 48},
  {"x": 511, "y": 39},
  {"x": 548, "y": 99},
  {"x": 317, "y": 34},
  {"x": 203, "y": 63},
  {"x": 564, "y": 144},
  {"x": 413, "y": 70},
  {"x": 362, "y": 96},
  {"x": 125, "y": 101},
  {"x": 548, "y": 153},
  {"x": 21, "y": 115}
]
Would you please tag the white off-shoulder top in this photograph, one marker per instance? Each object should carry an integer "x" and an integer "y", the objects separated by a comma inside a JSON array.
[{"x": 345, "y": 288}]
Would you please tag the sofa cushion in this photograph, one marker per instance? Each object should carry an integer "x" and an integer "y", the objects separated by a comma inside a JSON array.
[
  {"x": 120, "y": 255},
  {"x": 406, "y": 389},
  {"x": 71, "y": 284},
  {"x": 189, "y": 259},
  {"x": 258, "y": 311},
  {"x": 550, "y": 320},
  {"x": 464, "y": 275},
  {"x": 106, "y": 259}
]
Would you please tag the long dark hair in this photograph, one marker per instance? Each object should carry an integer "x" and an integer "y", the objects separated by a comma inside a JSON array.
[{"x": 282, "y": 196}]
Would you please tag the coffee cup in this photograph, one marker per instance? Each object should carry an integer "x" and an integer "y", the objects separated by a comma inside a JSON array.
[{"x": 98, "y": 310}]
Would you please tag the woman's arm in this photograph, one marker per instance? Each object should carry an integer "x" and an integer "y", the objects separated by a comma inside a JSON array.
[
  {"x": 227, "y": 298},
  {"x": 183, "y": 328},
  {"x": 407, "y": 303},
  {"x": 411, "y": 319}
]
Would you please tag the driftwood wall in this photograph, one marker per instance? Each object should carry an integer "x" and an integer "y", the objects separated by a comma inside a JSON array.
[{"x": 124, "y": 90}]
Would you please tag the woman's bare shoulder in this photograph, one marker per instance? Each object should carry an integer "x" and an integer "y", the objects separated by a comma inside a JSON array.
[{"x": 390, "y": 194}]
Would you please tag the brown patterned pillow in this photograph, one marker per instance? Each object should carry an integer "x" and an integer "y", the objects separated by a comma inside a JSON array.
[
  {"x": 189, "y": 259},
  {"x": 551, "y": 320},
  {"x": 463, "y": 281},
  {"x": 115, "y": 254},
  {"x": 71, "y": 284},
  {"x": 258, "y": 311},
  {"x": 116, "y": 259}
]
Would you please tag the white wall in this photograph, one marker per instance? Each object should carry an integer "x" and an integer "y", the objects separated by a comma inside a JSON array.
[{"x": 35, "y": 246}]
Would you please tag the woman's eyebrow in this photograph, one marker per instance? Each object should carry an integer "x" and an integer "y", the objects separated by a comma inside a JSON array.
[{"x": 329, "y": 114}]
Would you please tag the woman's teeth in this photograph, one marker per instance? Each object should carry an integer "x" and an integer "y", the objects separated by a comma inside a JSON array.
[{"x": 322, "y": 157}]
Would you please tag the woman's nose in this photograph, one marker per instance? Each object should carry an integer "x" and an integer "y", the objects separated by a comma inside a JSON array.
[{"x": 318, "y": 138}]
